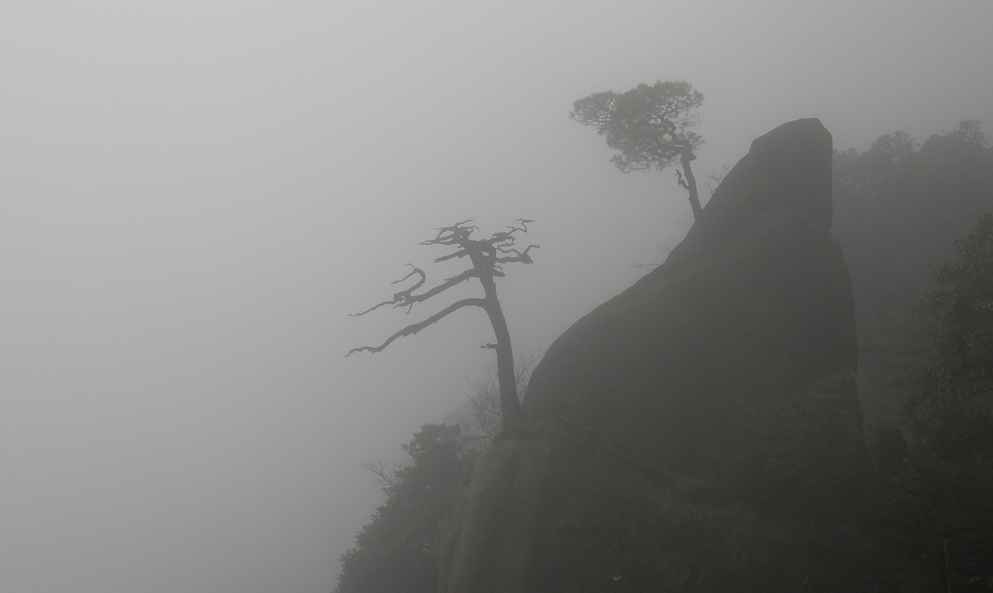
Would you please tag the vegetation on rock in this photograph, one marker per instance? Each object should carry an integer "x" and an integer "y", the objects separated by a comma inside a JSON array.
[
  {"x": 663, "y": 460},
  {"x": 398, "y": 549},
  {"x": 650, "y": 126}
]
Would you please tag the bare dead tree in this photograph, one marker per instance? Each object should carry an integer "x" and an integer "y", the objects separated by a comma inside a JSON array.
[{"x": 487, "y": 258}]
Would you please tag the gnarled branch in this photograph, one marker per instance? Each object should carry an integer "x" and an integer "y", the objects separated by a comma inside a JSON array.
[
  {"x": 448, "y": 283},
  {"x": 518, "y": 255},
  {"x": 416, "y": 327},
  {"x": 399, "y": 298},
  {"x": 454, "y": 234},
  {"x": 453, "y": 255},
  {"x": 508, "y": 235},
  {"x": 407, "y": 298},
  {"x": 414, "y": 271}
]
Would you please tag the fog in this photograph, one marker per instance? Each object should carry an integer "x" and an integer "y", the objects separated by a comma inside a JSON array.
[{"x": 195, "y": 194}]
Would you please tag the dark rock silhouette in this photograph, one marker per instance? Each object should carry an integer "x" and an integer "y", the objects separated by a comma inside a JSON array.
[{"x": 701, "y": 431}]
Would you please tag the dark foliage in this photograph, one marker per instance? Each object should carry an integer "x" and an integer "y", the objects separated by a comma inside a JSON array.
[
  {"x": 899, "y": 208},
  {"x": 924, "y": 361},
  {"x": 650, "y": 126},
  {"x": 953, "y": 413},
  {"x": 397, "y": 551}
]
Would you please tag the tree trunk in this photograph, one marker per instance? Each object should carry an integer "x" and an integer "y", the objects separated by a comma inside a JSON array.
[
  {"x": 685, "y": 159},
  {"x": 510, "y": 405}
]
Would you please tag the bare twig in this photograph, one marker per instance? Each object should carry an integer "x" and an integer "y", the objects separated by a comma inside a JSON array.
[
  {"x": 519, "y": 256},
  {"x": 385, "y": 476}
]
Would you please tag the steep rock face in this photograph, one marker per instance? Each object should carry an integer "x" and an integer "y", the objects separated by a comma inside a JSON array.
[
  {"x": 734, "y": 361},
  {"x": 700, "y": 431}
]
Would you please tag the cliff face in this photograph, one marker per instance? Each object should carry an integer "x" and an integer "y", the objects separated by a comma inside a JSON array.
[
  {"x": 700, "y": 431},
  {"x": 734, "y": 361}
]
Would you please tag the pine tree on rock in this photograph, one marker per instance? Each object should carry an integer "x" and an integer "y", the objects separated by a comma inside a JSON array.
[{"x": 651, "y": 126}]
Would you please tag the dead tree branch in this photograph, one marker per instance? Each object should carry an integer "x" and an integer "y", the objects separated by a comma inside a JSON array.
[
  {"x": 416, "y": 327},
  {"x": 407, "y": 298}
]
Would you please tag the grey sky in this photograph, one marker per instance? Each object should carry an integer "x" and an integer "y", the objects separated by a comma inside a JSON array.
[{"x": 193, "y": 194}]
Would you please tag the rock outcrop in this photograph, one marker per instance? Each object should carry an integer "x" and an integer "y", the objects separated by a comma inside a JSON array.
[{"x": 700, "y": 431}]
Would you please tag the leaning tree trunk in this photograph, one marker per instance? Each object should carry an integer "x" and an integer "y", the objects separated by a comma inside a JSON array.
[
  {"x": 690, "y": 184},
  {"x": 488, "y": 256},
  {"x": 510, "y": 405}
]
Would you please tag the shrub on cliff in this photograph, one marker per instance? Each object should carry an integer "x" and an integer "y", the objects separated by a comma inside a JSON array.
[{"x": 398, "y": 549}]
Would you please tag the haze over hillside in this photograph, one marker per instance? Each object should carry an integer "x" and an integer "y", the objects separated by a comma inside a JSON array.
[{"x": 195, "y": 194}]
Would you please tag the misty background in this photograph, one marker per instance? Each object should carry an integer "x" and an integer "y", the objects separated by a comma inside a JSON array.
[{"x": 195, "y": 194}]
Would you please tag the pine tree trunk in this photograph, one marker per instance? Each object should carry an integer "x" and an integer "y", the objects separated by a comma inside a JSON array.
[
  {"x": 691, "y": 187},
  {"x": 510, "y": 405}
]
